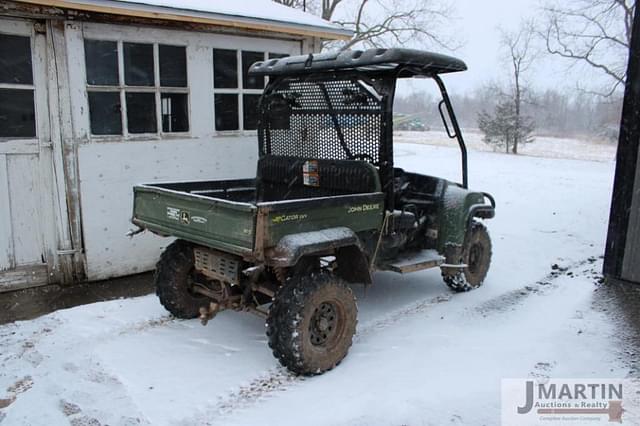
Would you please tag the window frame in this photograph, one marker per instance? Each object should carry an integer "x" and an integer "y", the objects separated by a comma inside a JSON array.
[
  {"x": 240, "y": 91},
  {"x": 200, "y": 46},
  {"x": 22, "y": 29},
  {"x": 122, "y": 88}
]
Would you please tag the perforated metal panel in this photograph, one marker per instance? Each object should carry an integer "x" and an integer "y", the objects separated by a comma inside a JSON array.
[
  {"x": 217, "y": 265},
  {"x": 325, "y": 119}
]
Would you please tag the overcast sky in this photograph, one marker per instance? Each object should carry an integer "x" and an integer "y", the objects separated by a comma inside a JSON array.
[
  {"x": 477, "y": 23},
  {"x": 479, "y": 20}
]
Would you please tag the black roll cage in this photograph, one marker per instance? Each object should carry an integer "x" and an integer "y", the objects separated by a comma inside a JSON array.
[
  {"x": 389, "y": 79},
  {"x": 456, "y": 128}
]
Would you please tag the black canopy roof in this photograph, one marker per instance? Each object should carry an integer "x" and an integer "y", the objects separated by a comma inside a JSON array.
[{"x": 413, "y": 62}]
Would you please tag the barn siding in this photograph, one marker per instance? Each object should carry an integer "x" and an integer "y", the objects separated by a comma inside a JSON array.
[
  {"x": 110, "y": 166},
  {"x": 6, "y": 231},
  {"x": 631, "y": 264},
  {"x": 622, "y": 255},
  {"x": 108, "y": 173},
  {"x": 86, "y": 182}
]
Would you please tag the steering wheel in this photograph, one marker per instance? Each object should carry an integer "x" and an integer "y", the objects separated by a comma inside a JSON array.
[{"x": 365, "y": 157}]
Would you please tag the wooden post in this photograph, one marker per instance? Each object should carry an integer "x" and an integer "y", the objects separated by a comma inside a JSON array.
[
  {"x": 65, "y": 153},
  {"x": 6, "y": 233},
  {"x": 622, "y": 258}
]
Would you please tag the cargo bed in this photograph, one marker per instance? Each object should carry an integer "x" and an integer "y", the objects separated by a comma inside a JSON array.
[{"x": 227, "y": 215}]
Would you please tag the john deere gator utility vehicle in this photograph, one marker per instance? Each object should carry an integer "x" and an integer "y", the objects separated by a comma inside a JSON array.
[{"x": 327, "y": 208}]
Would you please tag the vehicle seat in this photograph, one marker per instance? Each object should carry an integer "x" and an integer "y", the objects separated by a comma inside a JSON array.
[{"x": 282, "y": 178}]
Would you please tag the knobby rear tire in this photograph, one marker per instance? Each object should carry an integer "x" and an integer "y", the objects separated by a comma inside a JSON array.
[
  {"x": 300, "y": 307},
  {"x": 173, "y": 281}
]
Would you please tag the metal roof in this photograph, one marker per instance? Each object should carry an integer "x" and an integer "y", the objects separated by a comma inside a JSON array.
[
  {"x": 413, "y": 62},
  {"x": 263, "y": 15}
]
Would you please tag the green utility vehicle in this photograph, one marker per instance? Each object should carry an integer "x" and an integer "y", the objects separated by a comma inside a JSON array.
[{"x": 326, "y": 209}]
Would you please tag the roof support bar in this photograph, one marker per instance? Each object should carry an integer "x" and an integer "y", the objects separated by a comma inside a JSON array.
[
  {"x": 456, "y": 129},
  {"x": 334, "y": 119}
]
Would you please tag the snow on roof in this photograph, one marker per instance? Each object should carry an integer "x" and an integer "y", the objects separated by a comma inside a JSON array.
[
  {"x": 258, "y": 9},
  {"x": 254, "y": 14}
]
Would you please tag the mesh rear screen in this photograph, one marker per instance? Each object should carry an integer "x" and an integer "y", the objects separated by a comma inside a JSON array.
[{"x": 338, "y": 119}]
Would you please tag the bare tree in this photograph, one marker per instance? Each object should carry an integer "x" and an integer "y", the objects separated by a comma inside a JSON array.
[
  {"x": 592, "y": 32},
  {"x": 382, "y": 23},
  {"x": 521, "y": 54},
  {"x": 298, "y": 4}
]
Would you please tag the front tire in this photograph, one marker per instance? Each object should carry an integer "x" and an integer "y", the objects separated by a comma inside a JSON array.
[
  {"x": 476, "y": 254},
  {"x": 311, "y": 323},
  {"x": 174, "y": 280}
]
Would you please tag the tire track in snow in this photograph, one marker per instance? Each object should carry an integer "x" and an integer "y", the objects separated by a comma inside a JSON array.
[
  {"x": 147, "y": 324},
  {"x": 400, "y": 314},
  {"x": 507, "y": 301},
  {"x": 279, "y": 379}
]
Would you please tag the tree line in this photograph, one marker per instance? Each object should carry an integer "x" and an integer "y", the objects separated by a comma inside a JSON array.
[{"x": 554, "y": 112}]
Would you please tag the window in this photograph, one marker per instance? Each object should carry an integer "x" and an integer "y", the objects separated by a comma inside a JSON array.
[
  {"x": 250, "y": 103},
  {"x": 226, "y": 111},
  {"x": 17, "y": 110},
  {"x": 174, "y": 112},
  {"x": 124, "y": 96},
  {"x": 141, "y": 112},
  {"x": 101, "y": 58},
  {"x": 173, "y": 66},
  {"x": 105, "y": 113},
  {"x": 251, "y": 82},
  {"x": 225, "y": 67},
  {"x": 138, "y": 64},
  {"x": 236, "y": 93}
]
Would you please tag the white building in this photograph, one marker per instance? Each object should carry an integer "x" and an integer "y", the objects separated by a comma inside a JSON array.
[{"x": 97, "y": 95}]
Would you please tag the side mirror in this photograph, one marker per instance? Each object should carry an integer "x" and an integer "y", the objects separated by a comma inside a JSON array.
[{"x": 446, "y": 119}]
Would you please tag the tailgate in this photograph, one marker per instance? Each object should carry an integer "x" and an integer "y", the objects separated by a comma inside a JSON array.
[{"x": 213, "y": 222}]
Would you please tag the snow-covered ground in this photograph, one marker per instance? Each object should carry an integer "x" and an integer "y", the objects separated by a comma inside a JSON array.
[
  {"x": 543, "y": 146},
  {"x": 422, "y": 355}
]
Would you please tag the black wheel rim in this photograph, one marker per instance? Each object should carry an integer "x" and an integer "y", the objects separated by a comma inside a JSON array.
[{"x": 326, "y": 324}]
